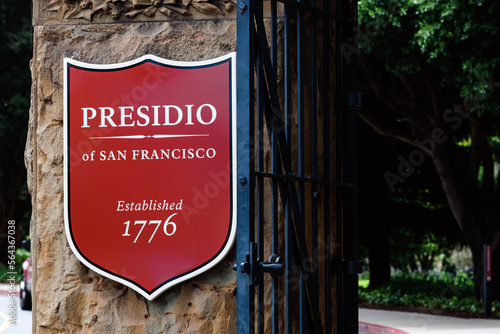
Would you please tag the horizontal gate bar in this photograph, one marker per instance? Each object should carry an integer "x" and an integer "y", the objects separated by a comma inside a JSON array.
[{"x": 293, "y": 177}]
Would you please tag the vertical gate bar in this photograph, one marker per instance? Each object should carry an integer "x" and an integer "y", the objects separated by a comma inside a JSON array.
[
  {"x": 314, "y": 158},
  {"x": 289, "y": 272},
  {"x": 274, "y": 141},
  {"x": 338, "y": 161},
  {"x": 300, "y": 140},
  {"x": 300, "y": 104},
  {"x": 302, "y": 301},
  {"x": 275, "y": 246},
  {"x": 350, "y": 249},
  {"x": 259, "y": 15},
  {"x": 245, "y": 98},
  {"x": 288, "y": 129},
  {"x": 326, "y": 166},
  {"x": 275, "y": 169},
  {"x": 314, "y": 93},
  {"x": 260, "y": 201},
  {"x": 287, "y": 76},
  {"x": 275, "y": 231}
]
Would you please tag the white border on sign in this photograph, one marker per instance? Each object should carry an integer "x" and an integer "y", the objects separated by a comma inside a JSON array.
[{"x": 223, "y": 252}]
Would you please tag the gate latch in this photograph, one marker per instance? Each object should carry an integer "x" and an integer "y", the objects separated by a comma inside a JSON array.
[
  {"x": 255, "y": 268},
  {"x": 275, "y": 266}
]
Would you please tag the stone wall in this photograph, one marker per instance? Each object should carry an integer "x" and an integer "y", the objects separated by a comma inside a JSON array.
[{"x": 70, "y": 298}]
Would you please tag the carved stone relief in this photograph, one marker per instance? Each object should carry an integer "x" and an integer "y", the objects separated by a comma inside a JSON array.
[{"x": 89, "y": 9}]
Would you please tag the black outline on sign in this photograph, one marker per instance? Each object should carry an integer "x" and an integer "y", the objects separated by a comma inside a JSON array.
[{"x": 231, "y": 161}]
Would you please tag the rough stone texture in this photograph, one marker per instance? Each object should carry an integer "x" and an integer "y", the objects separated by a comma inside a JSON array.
[
  {"x": 112, "y": 11},
  {"x": 76, "y": 12},
  {"x": 69, "y": 297}
]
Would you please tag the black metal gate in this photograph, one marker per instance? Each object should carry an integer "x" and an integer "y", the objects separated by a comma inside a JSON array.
[{"x": 297, "y": 210}]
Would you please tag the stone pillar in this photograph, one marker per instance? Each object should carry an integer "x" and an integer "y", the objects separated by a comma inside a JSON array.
[{"x": 68, "y": 297}]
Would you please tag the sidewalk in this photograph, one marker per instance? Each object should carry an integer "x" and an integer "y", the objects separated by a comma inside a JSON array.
[{"x": 418, "y": 323}]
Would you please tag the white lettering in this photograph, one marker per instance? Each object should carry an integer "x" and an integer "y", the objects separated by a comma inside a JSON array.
[
  {"x": 189, "y": 114},
  {"x": 210, "y": 153},
  {"x": 167, "y": 115},
  {"x": 200, "y": 156},
  {"x": 129, "y": 116},
  {"x": 105, "y": 117},
  {"x": 124, "y": 115},
  {"x": 155, "y": 108},
  {"x": 86, "y": 116},
  {"x": 212, "y": 109},
  {"x": 142, "y": 115}
]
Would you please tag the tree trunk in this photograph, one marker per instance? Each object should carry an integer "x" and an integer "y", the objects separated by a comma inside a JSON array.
[
  {"x": 473, "y": 210},
  {"x": 379, "y": 258}
]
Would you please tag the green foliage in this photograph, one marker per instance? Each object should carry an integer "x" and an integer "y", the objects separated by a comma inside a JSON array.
[
  {"x": 364, "y": 280},
  {"x": 416, "y": 197},
  {"x": 432, "y": 291},
  {"x": 21, "y": 255},
  {"x": 456, "y": 38},
  {"x": 413, "y": 250},
  {"x": 3, "y": 272}
]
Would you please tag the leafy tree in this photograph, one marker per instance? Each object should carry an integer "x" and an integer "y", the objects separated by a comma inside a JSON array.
[
  {"x": 397, "y": 228},
  {"x": 434, "y": 64},
  {"x": 15, "y": 80}
]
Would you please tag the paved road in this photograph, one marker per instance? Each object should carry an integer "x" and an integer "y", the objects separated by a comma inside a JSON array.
[
  {"x": 22, "y": 324},
  {"x": 416, "y": 323}
]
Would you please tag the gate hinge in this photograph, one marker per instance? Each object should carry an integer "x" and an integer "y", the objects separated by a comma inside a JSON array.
[
  {"x": 255, "y": 268},
  {"x": 349, "y": 267},
  {"x": 352, "y": 267},
  {"x": 353, "y": 99}
]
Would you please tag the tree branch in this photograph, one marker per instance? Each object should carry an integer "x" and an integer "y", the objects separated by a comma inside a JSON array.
[
  {"x": 388, "y": 131},
  {"x": 410, "y": 88},
  {"x": 395, "y": 101}
]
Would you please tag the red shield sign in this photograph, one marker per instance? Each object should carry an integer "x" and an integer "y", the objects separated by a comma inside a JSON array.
[{"x": 149, "y": 168}]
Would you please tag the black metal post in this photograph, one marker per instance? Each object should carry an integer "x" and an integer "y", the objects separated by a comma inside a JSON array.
[
  {"x": 245, "y": 202},
  {"x": 351, "y": 99},
  {"x": 487, "y": 280}
]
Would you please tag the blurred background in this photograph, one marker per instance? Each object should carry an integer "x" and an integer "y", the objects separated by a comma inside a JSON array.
[{"x": 15, "y": 82}]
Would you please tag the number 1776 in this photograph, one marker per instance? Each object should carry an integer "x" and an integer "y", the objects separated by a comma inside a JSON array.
[{"x": 169, "y": 227}]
